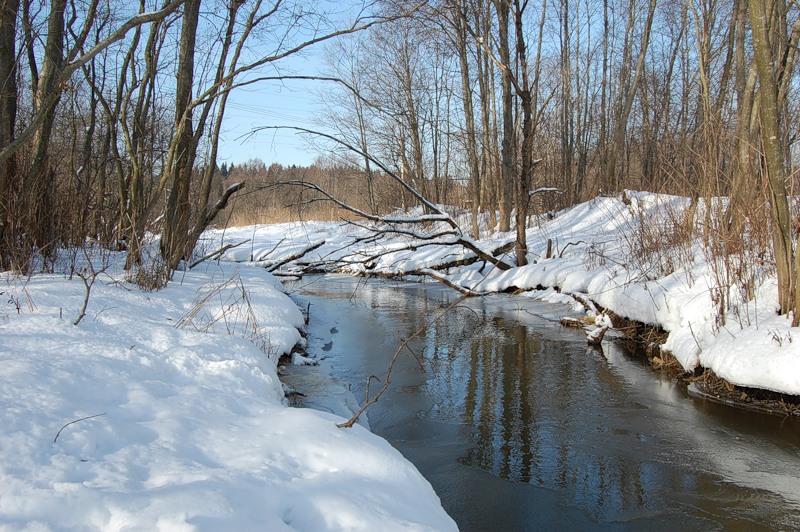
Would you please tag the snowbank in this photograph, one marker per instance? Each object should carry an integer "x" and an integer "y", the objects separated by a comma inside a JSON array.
[
  {"x": 163, "y": 411},
  {"x": 593, "y": 252}
]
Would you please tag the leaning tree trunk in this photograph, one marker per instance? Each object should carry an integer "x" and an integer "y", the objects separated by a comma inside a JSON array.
[{"x": 205, "y": 214}]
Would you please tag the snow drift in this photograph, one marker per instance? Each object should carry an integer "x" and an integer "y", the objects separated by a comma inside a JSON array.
[{"x": 163, "y": 411}]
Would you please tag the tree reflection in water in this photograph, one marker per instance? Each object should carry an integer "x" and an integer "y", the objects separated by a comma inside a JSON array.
[
  {"x": 571, "y": 434},
  {"x": 546, "y": 409}
]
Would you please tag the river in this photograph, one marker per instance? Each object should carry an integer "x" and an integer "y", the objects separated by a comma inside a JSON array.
[{"x": 519, "y": 425}]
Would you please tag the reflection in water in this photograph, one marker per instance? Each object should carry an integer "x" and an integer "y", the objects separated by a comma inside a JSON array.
[
  {"x": 599, "y": 437},
  {"x": 533, "y": 405}
]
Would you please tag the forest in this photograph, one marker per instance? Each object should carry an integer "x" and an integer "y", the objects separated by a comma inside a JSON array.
[{"x": 111, "y": 116}]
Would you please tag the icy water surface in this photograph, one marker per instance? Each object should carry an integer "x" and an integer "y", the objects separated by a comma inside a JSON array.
[{"x": 518, "y": 425}]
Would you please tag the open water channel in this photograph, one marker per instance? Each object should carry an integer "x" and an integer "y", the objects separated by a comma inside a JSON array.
[{"x": 518, "y": 425}]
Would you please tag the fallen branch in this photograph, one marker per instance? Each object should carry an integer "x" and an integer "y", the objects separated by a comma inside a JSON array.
[
  {"x": 73, "y": 422},
  {"x": 575, "y": 323},
  {"x": 218, "y": 252},
  {"x": 369, "y": 401},
  {"x": 542, "y": 190},
  {"x": 295, "y": 256},
  {"x": 602, "y": 324},
  {"x": 505, "y": 248},
  {"x": 268, "y": 253},
  {"x": 568, "y": 244},
  {"x": 447, "y": 282},
  {"x": 584, "y": 300},
  {"x": 438, "y": 216}
]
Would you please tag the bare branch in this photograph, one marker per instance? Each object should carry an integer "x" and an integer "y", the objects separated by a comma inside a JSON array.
[
  {"x": 441, "y": 216},
  {"x": 218, "y": 252},
  {"x": 360, "y": 24},
  {"x": 411, "y": 190},
  {"x": 222, "y": 202},
  {"x": 73, "y": 422},
  {"x": 387, "y": 379},
  {"x": 447, "y": 282},
  {"x": 295, "y": 256},
  {"x": 52, "y": 99},
  {"x": 375, "y": 218}
]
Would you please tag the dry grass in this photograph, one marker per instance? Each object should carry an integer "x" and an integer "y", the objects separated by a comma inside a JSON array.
[
  {"x": 225, "y": 307},
  {"x": 647, "y": 337},
  {"x": 660, "y": 241},
  {"x": 715, "y": 388},
  {"x": 666, "y": 361},
  {"x": 151, "y": 275}
]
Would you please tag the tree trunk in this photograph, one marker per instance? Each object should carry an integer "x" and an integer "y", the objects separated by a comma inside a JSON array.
[
  {"x": 503, "y": 9},
  {"x": 489, "y": 136},
  {"x": 8, "y": 116},
  {"x": 37, "y": 185},
  {"x": 763, "y": 24},
  {"x": 602, "y": 141},
  {"x": 459, "y": 18},
  {"x": 745, "y": 86},
  {"x": 526, "y": 150},
  {"x": 567, "y": 113},
  {"x": 174, "y": 239},
  {"x": 205, "y": 214},
  {"x": 620, "y": 128}
]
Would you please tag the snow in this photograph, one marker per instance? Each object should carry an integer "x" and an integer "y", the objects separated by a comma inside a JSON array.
[
  {"x": 594, "y": 254},
  {"x": 163, "y": 411}
]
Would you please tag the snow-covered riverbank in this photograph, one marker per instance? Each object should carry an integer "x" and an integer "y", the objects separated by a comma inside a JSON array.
[
  {"x": 598, "y": 249},
  {"x": 163, "y": 411}
]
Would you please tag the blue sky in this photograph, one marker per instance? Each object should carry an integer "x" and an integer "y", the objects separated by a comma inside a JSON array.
[
  {"x": 287, "y": 103},
  {"x": 268, "y": 104}
]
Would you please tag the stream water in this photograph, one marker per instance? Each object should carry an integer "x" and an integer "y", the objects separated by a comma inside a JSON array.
[{"x": 518, "y": 425}]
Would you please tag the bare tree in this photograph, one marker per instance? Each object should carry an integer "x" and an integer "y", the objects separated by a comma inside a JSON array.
[
  {"x": 434, "y": 213},
  {"x": 9, "y": 10},
  {"x": 767, "y": 20},
  {"x": 459, "y": 18},
  {"x": 174, "y": 238},
  {"x": 629, "y": 86},
  {"x": 503, "y": 11},
  {"x": 26, "y": 194}
]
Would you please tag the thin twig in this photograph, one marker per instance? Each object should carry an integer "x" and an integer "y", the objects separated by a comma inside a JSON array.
[
  {"x": 71, "y": 422},
  {"x": 88, "y": 278},
  {"x": 403, "y": 345}
]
